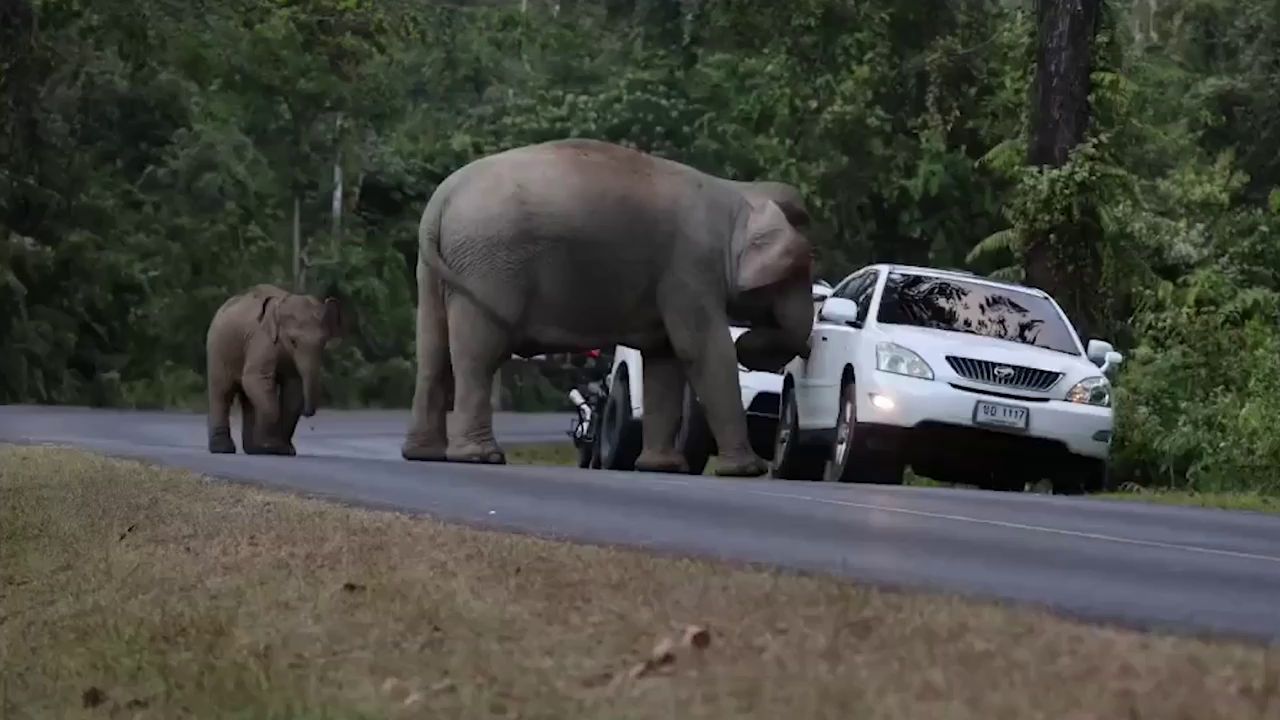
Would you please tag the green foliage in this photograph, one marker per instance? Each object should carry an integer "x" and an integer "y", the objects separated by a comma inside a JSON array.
[
  {"x": 1197, "y": 406},
  {"x": 151, "y": 160}
]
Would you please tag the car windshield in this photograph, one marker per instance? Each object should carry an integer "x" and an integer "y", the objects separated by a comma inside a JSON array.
[{"x": 953, "y": 304}]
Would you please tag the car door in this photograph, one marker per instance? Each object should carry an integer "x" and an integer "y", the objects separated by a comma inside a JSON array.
[{"x": 817, "y": 379}]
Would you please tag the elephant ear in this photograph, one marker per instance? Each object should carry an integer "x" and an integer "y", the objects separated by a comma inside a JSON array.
[
  {"x": 269, "y": 318},
  {"x": 772, "y": 249},
  {"x": 787, "y": 197}
]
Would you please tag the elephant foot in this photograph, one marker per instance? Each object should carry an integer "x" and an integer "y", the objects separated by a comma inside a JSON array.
[
  {"x": 745, "y": 466},
  {"x": 489, "y": 454},
  {"x": 417, "y": 448},
  {"x": 657, "y": 462},
  {"x": 222, "y": 444},
  {"x": 423, "y": 453},
  {"x": 271, "y": 449}
]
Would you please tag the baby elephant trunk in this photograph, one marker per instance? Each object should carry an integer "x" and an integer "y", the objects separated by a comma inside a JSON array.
[{"x": 309, "y": 369}]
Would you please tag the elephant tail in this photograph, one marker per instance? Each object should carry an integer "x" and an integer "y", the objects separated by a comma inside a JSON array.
[{"x": 429, "y": 254}]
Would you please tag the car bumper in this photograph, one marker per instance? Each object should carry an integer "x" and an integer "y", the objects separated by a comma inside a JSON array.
[
  {"x": 761, "y": 394},
  {"x": 947, "y": 414}
]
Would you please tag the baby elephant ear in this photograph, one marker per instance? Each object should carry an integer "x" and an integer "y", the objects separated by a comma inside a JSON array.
[
  {"x": 773, "y": 250},
  {"x": 269, "y": 318}
]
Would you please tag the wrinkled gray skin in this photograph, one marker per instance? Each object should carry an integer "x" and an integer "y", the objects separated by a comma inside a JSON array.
[
  {"x": 577, "y": 244},
  {"x": 265, "y": 347}
]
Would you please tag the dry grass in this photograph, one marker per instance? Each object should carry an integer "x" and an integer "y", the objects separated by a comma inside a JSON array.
[{"x": 132, "y": 591}]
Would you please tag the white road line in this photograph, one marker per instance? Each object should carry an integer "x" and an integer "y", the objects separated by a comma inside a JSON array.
[{"x": 1004, "y": 524}]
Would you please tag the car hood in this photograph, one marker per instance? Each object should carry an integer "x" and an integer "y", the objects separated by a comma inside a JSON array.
[{"x": 934, "y": 344}]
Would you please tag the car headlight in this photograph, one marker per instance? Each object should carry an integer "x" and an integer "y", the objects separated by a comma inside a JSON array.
[
  {"x": 893, "y": 358},
  {"x": 1091, "y": 391}
]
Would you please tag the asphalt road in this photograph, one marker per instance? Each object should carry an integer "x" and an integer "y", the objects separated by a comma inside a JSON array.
[{"x": 1182, "y": 569}]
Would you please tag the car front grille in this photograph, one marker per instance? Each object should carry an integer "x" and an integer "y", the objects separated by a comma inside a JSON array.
[{"x": 1014, "y": 377}]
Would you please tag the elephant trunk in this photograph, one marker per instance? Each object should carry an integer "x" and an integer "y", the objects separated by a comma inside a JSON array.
[
  {"x": 309, "y": 370},
  {"x": 793, "y": 310},
  {"x": 769, "y": 347}
]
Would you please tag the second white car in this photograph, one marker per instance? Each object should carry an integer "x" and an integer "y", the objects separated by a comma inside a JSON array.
[{"x": 619, "y": 437}]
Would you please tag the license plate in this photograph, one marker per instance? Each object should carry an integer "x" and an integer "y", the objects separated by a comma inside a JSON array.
[{"x": 1002, "y": 416}]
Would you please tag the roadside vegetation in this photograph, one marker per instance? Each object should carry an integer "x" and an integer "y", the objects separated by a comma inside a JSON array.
[
  {"x": 154, "y": 160},
  {"x": 134, "y": 591}
]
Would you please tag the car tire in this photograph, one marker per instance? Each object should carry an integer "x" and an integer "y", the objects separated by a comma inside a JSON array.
[
  {"x": 793, "y": 460},
  {"x": 1081, "y": 476},
  {"x": 850, "y": 461},
  {"x": 620, "y": 439}
]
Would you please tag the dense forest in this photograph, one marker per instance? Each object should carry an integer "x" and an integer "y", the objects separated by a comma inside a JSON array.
[{"x": 156, "y": 156}]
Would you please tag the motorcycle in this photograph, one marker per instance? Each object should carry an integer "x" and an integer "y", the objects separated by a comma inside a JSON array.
[{"x": 590, "y": 408}]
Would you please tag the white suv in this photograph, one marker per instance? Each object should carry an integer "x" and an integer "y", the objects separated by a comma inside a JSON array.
[
  {"x": 966, "y": 379},
  {"x": 619, "y": 438}
]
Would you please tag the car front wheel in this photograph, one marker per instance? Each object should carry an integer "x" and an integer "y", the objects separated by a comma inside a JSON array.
[
  {"x": 793, "y": 460},
  {"x": 851, "y": 461}
]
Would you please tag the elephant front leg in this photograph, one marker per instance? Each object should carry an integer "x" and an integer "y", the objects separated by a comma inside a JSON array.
[
  {"x": 265, "y": 401},
  {"x": 663, "y": 404},
  {"x": 291, "y": 401},
  {"x": 702, "y": 338},
  {"x": 248, "y": 432},
  {"x": 221, "y": 394},
  {"x": 477, "y": 350}
]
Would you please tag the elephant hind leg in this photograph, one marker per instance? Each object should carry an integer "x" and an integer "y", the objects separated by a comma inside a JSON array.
[
  {"x": 477, "y": 348},
  {"x": 427, "y": 436}
]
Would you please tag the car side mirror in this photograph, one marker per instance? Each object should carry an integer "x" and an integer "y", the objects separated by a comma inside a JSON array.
[
  {"x": 1112, "y": 361},
  {"x": 839, "y": 310},
  {"x": 1097, "y": 351}
]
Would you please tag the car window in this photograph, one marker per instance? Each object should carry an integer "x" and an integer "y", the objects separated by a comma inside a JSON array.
[
  {"x": 840, "y": 286},
  {"x": 851, "y": 288},
  {"x": 862, "y": 294},
  {"x": 858, "y": 288},
  {"x": 958, "y": 305}
]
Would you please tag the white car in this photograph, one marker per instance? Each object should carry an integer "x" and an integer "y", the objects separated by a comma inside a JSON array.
[
  {"x": 966, "y": 379},
  {"x": 619, "y": 437}
]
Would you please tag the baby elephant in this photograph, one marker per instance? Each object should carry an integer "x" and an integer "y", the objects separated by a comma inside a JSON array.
[{"x": 265, "y": 347}]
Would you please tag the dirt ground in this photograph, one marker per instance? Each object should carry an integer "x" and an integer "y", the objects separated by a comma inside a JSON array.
[{"x": 131, "y": 591}]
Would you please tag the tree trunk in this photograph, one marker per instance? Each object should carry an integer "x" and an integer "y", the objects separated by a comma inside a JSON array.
[
  {"x": 299, "y": 278},
  {"x": 1065, "y": 260}
]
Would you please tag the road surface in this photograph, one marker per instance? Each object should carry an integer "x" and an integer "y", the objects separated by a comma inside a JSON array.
[{"x": 1184, "y": 569}]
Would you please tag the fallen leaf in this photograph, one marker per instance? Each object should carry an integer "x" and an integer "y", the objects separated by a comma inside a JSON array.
[{"x": 93, "y": 697}]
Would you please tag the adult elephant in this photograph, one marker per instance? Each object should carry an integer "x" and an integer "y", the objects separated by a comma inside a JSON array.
[
  {"x": 265, "y": 348},
  {"x": 576, "y": 244}
]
